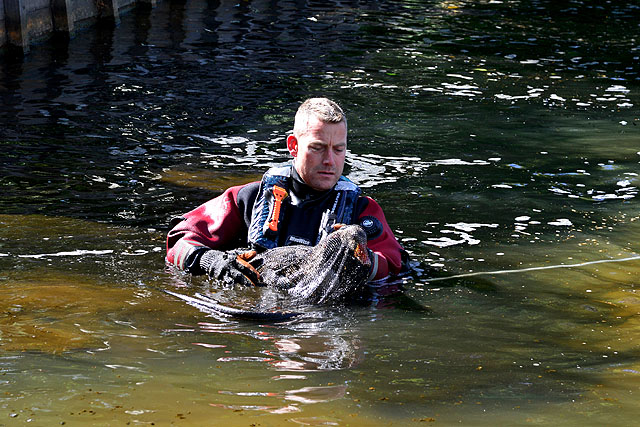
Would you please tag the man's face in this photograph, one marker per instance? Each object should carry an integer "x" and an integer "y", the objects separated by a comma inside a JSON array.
[{"x": 319, "y": 153}]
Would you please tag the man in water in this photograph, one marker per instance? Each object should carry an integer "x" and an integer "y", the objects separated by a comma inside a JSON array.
[{"x": 293, "y": 204}]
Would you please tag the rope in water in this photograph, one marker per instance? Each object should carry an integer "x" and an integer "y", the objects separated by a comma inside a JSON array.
[{"x": 522, "y": 270}]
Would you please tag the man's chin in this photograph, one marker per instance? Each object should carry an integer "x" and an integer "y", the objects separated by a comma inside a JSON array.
[{"x": 325, "y": 182}]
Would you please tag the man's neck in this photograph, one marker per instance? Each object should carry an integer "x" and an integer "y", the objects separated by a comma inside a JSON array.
[{"x": 302, "y": 189}]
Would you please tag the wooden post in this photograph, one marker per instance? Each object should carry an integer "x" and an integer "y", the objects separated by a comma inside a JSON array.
[
  {"x": 62, "y": 18},
  {"x": 15, "y": 15},
  {"x": 108, "y": 9}
]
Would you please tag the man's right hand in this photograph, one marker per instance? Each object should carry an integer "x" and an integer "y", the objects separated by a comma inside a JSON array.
[{"x": 228, "y": 268}]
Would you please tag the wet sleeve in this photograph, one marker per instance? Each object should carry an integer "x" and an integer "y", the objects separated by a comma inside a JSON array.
[
  {"x": 389, "y": 256},
  {"x": 216, "y": 224}
]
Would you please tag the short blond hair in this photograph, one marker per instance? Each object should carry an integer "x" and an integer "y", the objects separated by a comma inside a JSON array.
[{"x": 326, "y": 110}]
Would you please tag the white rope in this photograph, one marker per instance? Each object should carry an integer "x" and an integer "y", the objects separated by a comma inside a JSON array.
[{"x": 522, "y": 270}]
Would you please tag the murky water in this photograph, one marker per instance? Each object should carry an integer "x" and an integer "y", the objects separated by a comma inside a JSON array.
[{"x": 502, "y": 139}]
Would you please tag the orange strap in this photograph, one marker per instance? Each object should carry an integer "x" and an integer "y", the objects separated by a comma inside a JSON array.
[
  {"x": 250, "y": 273},
  {"x": 279, "y": 194}
]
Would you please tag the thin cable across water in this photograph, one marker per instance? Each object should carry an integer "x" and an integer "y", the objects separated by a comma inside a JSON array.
[{"x": 522, "y": 270}]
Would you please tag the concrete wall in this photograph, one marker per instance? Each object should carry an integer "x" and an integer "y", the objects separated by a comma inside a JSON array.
[
  {"x": 39, "y": 20},
  {"x": 82, "y": 10},
  {"x": 24, "y": 22}
]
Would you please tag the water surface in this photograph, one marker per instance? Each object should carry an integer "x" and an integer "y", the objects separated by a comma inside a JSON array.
[{"x": 500, "y": 137}]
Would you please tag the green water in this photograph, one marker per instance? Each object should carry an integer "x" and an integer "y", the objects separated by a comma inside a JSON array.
[{"x": 501, "y": 138}]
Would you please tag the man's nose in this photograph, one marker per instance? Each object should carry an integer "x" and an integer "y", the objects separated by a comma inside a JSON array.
[{"x": 329, "y": 158}]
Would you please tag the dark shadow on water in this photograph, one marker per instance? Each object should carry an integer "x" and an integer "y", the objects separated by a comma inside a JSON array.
[{"x": 263, "y": 304}]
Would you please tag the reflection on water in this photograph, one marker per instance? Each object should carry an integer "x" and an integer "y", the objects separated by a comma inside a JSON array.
[
  {"x": 500, "y": 137},
  {"x": 307, "y": 347}
]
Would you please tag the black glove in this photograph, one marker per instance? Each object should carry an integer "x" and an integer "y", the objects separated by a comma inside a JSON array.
[{"x": 228, "y": 268}]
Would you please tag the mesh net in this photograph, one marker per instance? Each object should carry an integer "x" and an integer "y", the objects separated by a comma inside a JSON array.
[{"x": 329, "y": 271}]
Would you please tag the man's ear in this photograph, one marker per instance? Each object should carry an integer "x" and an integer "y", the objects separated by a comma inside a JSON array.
[{"x": 292, "y": 145}]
